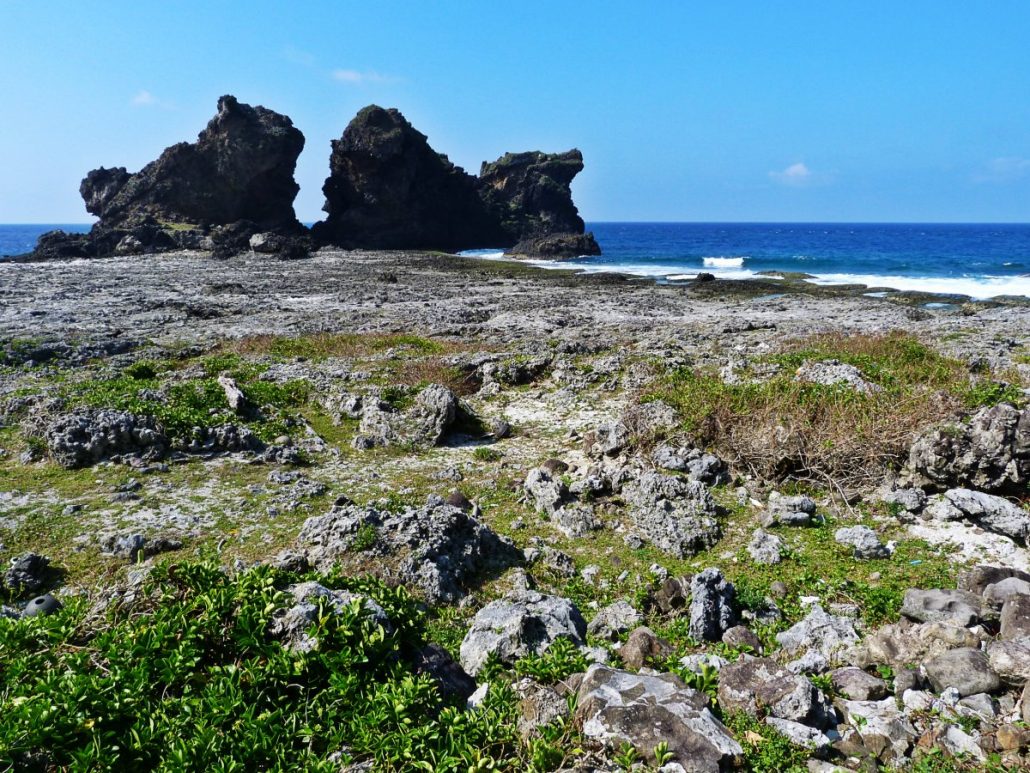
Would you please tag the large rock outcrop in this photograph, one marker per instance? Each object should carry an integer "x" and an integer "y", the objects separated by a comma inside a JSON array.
[
  {"x": 388, "y": 189},
  {"x": 234, "y": 181}
]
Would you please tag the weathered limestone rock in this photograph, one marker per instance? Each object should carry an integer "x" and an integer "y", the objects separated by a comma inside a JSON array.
[
  {"x": 89, "y": 435},
  {"x": 678, "y": 517},
  {"x": 757, "y": 684},
  {"x": 712, "y": 599},
  {"x": 965, "y": 669},
  {"x": 788, "y": 511},
  {"x": 614, "y": 620},
  {"x": 990, "y": 453},
  {"x": 518, "y": 625},
  {"x": 615, "y": 708},
  {"x": 821, "y": 632},
  {"x": 941, "y": 606},
  {"x": 863, "y": 541}
]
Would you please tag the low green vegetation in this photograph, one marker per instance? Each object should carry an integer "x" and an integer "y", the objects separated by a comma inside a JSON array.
[
  {"x": 321, "y": 346},
  {"x": 191, "y": 679}
]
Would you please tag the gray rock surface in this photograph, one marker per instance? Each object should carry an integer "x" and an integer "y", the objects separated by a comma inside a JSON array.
[
  {"x": 788, "y": 511},
  {"x": 89, "y": 435},
  {"x": 863, "y": 541},
  {"x": 900, "y": 645},
  {"x": 26, "y": 573},
  {"x": 857, "y": 685},
  {"x": 941, "y": 606},
  {"x": 445, "y": 671},
  {"x": 613, "y": 620},
  {"x": 821, "y": 632},
  {"x": 765, "y": 548},
  {"x": 834, "y": 373},
  {"x": 677, "y": 516},
  {"x": 755, "y": 685},
  {"x": 993, "y": 513},
  {"x": 291, "y": 624},
  {"x": 965, "y": 669},
  {"x": 1015, "y": 618},
  {"x": 616, "y": 708},
  {"x": 1010, "y": 659},
  {"x": 136, "y": 546},
  {"x": 423, "y": 425},
  {"x": 990, "y": 452},
  {"x": 437, "y": 548},
  {"x": 643, "y": 647},
  {"x": 712, "y": 600},
  {"x": 545, "y": 489},
  {"x": 518, "y": 625}
]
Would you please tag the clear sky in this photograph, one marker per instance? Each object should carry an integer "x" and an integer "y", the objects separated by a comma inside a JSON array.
[{"x": 736, "y": 111}]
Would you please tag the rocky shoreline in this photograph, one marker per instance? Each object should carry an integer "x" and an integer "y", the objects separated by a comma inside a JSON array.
[{"x": 788, "y": 528}]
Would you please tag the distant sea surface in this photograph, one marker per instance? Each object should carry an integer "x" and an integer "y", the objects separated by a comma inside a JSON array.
[
  {"x": 17, "y": 239},
  {"x": 981, "y": 261}
]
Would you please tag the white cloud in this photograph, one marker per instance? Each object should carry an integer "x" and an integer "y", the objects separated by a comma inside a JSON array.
[
  {"x": 144, "y": 99},
  {"x": 1003, "y": 170},
  {"x": 359, "y": 78},
  {"x": 795, "y": 174}
]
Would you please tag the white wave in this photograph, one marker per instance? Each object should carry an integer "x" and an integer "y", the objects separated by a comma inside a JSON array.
[
  {"x": 490, "y": 254},
  {"x": 975, "y": 287},
  {"x": 722, "y": 262}
]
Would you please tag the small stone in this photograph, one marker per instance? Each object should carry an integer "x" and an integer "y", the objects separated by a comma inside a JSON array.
[
  {"x": 788, "y": 511},
  {"x": 765, "y": 548},
  {"x": 855, "y": 684},
  {"x": 863, "y": 541},
  {"x": 742, "y": 638},
  {"x": 614, "y": 620},
  {"x": 644, "y": 647},
  {"x": 936, "y": 605},
  {"x": 1015, "y": 617}
]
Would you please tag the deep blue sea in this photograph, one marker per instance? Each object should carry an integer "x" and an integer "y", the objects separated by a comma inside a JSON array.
[{"x": 980, "y": 261}]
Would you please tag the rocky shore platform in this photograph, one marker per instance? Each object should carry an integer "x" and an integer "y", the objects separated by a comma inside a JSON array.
[{"x": 407, "y": 510}]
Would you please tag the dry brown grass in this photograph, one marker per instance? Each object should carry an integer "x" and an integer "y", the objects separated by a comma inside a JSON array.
[{"x": 781, "y": 429}]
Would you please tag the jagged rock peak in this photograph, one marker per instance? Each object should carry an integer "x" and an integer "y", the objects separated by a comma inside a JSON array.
[
  {"x": 388, "y": 189},
  {"x": 240, "y": 168}
]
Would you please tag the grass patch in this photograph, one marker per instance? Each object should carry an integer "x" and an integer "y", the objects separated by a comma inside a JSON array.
[{"x": 782, "y": 429}]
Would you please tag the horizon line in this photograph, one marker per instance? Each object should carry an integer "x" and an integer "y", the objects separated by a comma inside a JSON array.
[{"x": 693, "y": 222}]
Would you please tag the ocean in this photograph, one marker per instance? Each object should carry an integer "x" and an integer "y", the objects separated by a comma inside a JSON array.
[{"x": 980, "y": 261}]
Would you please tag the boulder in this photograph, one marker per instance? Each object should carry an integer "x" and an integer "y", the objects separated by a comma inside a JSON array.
[
  {"x": 900, "y": 645},
  {"x": 559, "y": 246},
  {"x": 424, "y": 424},
  {"x": 437, "y": 548},
  {"x": 712, "y": 599},
  {"x": 788, "y": 511},
  {"x": 857, "y": 685},
  {"x": 530, "y": 193},
  {"x": 697, "y": 464},
  {"x": 821, "y": 632},
  {"x": 996, "y": 594},
  {"x": 26, "y": 574},
  {"x": 941, "y": 606},
  {"x": 885, "y": 731},
  {"x": 135, "y": 546},
  {"x": 616, "y": 708},
  {"x": 539, "y": 705},
  {"x": 1010, "y": 659},
  {"x": 575, "y": 520},
  {"x": 545, "y": 489},
  {"x": 966, "y": 669},
  {"x": 388, "y": 189},
  {"x": 993, "y": 513},
  {"x": 757, "y": 685},
  {"x": 612, "y": 621},
  {"x": 863, "y": 541},
  {"x": 643, "y": 648},
  {"x": 977, "y": 579},
  {"x": 742, "y": 638},
  {"x": 834, "y": 373},
  {"x": 677, "y": 516},
  {"x": 990, "y": 452},
  {"x": 518, "y": 625},
  {"x": 765, "y": 548},
  {"x": 1015, "y": 617},
  {"x": 86, "y": 436},
  {"x": 235, "y": 180}
]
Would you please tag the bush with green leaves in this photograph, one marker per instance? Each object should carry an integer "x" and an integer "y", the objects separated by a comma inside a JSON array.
[{"x": 191, "y": 679}]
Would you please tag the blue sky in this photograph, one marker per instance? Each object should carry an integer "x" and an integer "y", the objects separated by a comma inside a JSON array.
[{"x": 746, "y": 111}]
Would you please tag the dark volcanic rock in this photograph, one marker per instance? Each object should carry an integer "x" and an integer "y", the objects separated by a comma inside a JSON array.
[
  {"x": 240, "y": 168},
  {"x": 388, "y": 189},
  {"x": 234, "y": 181},
  {"x": 561, "y": 245},
  {"x": 530, "y": 193}
]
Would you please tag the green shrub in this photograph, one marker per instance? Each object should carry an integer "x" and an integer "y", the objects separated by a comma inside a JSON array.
[{"x": 192, "y": 680}]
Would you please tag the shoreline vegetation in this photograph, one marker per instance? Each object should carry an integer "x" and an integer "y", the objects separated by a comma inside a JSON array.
[{"x": 401, "y": 511}]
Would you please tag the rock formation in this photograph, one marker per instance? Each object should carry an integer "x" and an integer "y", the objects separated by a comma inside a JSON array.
[
  {"x": 234, "y": 181},
  {"x": 389, "y": 189}
]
